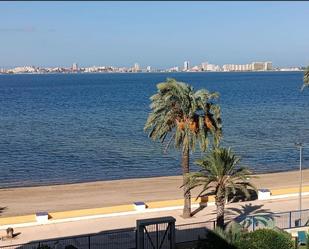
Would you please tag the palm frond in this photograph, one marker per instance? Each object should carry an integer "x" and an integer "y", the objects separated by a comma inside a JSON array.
[
  {"x": 220, "y": 173},
  {"x": 306, "y": 78},
  {"x": 175, "y": 102}
]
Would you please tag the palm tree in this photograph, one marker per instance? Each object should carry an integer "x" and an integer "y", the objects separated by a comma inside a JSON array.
[
  {"x": 221, "y": 176},
  {"x": 184, "y": 116},
  {"x": 306, "y": 78},
  {"x": 219, "y": 238}
]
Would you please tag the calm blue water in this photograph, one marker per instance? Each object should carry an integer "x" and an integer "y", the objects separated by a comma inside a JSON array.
[{"x": 86, "y": 127}]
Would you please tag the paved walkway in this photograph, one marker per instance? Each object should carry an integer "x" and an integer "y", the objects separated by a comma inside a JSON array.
[
  {"x": 23, "y": 201},
  {"x": 97, "y": 225}
]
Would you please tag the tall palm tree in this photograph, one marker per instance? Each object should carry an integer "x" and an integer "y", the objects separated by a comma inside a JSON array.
[
  {"x": 306, "y": 78},
  {"x": 184, "y": 116},
  {"x": 220, "y": 175}
]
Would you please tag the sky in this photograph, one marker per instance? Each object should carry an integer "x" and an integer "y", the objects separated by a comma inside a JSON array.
[{"x": 159, "y": 34}]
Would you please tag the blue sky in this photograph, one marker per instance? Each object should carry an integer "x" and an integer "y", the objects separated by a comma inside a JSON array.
[{"x": 160, "y": 34}]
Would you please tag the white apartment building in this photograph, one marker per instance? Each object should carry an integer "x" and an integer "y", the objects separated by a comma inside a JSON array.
[
  {"x": 186, "y": 65},
  {"x": 254, "y": 66},
  {"x": 75, "y": 67},
  {"x": 23, "y": 70},
  {"x": 212, "y": 67},
  {"x": 262, "y": 66},
  {"x": 136, "y": 67}
]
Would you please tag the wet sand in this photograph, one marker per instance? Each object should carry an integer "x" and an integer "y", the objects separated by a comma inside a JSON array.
[{"x": 28, "y": 200}]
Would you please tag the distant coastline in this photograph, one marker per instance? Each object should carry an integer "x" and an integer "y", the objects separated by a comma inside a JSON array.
[
  {"x": 152, "y": 72},
  {"x": 262, "y": 66}
]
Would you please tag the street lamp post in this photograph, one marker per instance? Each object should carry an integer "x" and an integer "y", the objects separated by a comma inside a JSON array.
[{"x": 300, "y": 146}]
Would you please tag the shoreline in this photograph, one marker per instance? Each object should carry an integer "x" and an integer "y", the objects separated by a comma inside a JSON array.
[
  {"x": 55, "y": 198},
  {"x": 37, "y": 185}
]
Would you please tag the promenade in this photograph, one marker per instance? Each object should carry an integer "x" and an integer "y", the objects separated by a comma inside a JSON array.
[
  {"x": 24, "y": 201},
  {"x": 80, "y": 200},
  {"x": 80, "y": 227}
]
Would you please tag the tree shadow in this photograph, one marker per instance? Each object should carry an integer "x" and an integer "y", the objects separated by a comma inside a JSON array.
[
  {"x": 199, "y": 209},
  {"x": 248, "y": 215},
  {"x": 2, "y": 209}
]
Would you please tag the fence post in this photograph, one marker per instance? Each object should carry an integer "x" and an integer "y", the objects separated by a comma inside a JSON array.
[
  {"x": 88, "y": 241},
  {"x": 253, "y": 224},
  {"x": 290, "y": 220},
  {"x": 214, "y": 224}
]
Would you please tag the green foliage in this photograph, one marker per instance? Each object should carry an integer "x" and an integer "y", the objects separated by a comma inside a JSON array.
[
  {"x": 306, "y": 78},
  {"x": 219, "y": 238},
  {"x": 266, "y": 239},
  {"x": 178, "y": 114},
  {"x": 220, "y": 171},
  {"x": 214, "y": 241},
  {"x": 220, "y": 175}
]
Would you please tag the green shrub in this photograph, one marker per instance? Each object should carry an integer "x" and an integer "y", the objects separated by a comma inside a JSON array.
[
  {"x": 214, "y": 241},
  {"x": 222, "y": 238},
  {"x": 266, "y": 239}
]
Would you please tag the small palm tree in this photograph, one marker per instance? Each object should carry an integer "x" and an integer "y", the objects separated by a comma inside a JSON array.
[
  {"x": 221, "y": 176},
  {"x": 306, "y": 78},
  {"x": 220, "y": 238},
  {"x": 188, "y": 118}
]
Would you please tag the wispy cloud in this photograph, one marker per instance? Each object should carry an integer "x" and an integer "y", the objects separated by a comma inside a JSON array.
[
  {"x": 25, "y": 30},
  {"x": 17, "y": 30}
]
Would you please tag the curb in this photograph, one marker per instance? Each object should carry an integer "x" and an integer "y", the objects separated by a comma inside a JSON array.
[{"x": 160, "y": 207}]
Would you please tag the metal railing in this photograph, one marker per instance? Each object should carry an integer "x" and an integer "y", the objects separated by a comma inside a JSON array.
[
  {"x": 282, "y": 220},
  {"x": 193, "y": 231},
  {"x": 126, "y": 238},
  {"x": 114, "y": 239}
]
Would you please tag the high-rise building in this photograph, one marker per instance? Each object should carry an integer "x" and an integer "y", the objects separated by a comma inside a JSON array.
[
  {"x": 75, "y": 67},
  {"x": 136, "y": 67},
  {"x": 234, "y": 67},
  {"x": 212, "y": 67},
  {"x": 186, "y": 66},
  {"x": 258, "y": 66},
  {"x": 254, "y": 66},
  {"x": 268, "y": 65},
  {"x": 148, "y": 69}
]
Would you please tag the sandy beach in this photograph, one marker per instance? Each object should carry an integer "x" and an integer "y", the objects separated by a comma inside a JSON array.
[{"x": 28, "y": 200}]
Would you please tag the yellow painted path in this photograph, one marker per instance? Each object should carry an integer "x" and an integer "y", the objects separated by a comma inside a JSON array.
[{"x": 125, "y": 208}]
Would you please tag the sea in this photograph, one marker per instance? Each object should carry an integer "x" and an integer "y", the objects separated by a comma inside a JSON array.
[{"x": 71, "y": 128}]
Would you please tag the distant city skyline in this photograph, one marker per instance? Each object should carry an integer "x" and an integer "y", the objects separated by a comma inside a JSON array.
[
  {"x": 155, "y": 34},
  {"x": 255, "y": 66}
]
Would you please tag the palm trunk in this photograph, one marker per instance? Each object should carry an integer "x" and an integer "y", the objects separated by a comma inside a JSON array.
[
  {"x": 187, "y": 194},
  {"x": 220, "y": 204}
]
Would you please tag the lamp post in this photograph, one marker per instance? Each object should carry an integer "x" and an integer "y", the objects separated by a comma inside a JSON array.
[{"x": 300, "y": 146}]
